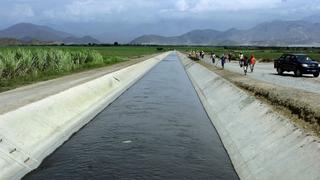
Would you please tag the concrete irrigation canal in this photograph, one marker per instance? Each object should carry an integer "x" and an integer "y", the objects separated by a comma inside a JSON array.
[
  {"x": 165, "y": 117},
  {"x": 157, "y": 129}
]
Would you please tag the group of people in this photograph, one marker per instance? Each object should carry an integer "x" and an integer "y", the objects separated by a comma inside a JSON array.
[
  {"x": 223, "y": 59},
  {"x": 244, "y": 61},
  {"x": 197, "y": 54}
]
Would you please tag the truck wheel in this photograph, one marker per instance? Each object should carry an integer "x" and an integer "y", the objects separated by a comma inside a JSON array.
[
  {"x": 297, "y": 73},
  {"x": 280, "y": 71},
  {"x": 316, "y": 74}
]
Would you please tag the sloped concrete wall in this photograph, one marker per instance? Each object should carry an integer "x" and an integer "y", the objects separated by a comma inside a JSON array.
[
  {"x": 31, "y": 133},
  {"x": 261, "y": 144}
]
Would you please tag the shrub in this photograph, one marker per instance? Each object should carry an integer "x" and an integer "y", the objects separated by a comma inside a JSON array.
[{"x": 32, "y": 62}]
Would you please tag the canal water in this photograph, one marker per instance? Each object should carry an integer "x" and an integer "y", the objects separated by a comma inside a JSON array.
[{"x": 158, "y": 129}]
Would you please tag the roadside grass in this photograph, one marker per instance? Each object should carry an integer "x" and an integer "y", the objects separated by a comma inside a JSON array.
[
  {"x": 123, "y": 52},
  {"x": 29, "y": 64}
]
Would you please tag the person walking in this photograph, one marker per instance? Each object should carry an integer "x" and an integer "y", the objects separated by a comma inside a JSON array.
[
  {"x": 229, "y": 57},
  {"x": 213, "y": 57},
  {"x": 223, "y": 60},
  {"x": 198, "y": 55},
  {"x": 252, "y": 62},
  {"x": 226, "y": 58},
  {"x": 241, "y": 60},
  {"x": 245, "y": 64}
]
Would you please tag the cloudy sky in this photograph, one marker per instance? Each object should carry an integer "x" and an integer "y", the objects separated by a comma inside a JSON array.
[{"x": 167, "y": 16}]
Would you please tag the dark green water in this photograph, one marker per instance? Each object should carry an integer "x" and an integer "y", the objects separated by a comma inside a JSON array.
[{"x": 157, "y": 129}]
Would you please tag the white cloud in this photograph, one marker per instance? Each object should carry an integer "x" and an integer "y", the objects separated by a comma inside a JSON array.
[
  {"x": 234, "y": 5},
  {"x": 93, "y": 7},
  {"x": 182, "y": 5},
  {"x": 84, "y": 10},
  {"x": 137, "y": 11},
  {"x": 22, "y": 11}
]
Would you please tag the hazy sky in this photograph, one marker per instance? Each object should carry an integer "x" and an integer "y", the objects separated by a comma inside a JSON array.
[{"x": 218, "y": 14}]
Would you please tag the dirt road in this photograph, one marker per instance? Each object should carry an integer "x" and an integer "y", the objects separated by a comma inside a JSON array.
[
  {"x": 294, "y": 97},
  {"x": 265, "y": 72}
]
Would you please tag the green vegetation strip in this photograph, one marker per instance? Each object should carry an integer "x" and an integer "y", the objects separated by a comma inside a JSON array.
[
  {"x": 24, "y": 65},
  {"x": 304, "y": 105}
]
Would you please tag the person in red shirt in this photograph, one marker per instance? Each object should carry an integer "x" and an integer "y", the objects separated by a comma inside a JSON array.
[{"x": 252, "y": 62}]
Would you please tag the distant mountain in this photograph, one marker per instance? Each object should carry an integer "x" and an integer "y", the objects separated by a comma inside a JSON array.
[
  {"x": 42, "y": 33},
  {"x": 282, "y": 33},
  {"x": 193, "y": 37},
  {"x": 29, "y": 32},
  {"x": 10, "y": 41},
  {"x": 23, "y": 41},
  {"x": 277, "y": 33},
  {"x": 82, "y": 40}
]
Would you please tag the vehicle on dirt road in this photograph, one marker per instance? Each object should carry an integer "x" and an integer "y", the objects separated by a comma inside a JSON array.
[{"x": 298, "y": 63}]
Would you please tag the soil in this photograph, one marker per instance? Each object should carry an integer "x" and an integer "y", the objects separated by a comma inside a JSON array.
[
  {"x": 301, "y": 107},
  {"x": 267, "y": 73}
]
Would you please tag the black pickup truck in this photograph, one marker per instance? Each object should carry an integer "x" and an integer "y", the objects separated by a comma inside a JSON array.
[{"x": 298, "y": 63}]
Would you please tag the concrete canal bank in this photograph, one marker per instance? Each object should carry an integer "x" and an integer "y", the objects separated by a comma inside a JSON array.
[
  {"x": 261, "y": 143},
  {"x": 32, "y": 132},
  {"x": 158, "y": 129}
]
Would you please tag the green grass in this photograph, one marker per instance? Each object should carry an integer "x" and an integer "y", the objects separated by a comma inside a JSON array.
[
  {"x": 21, "y": 65},
  {"x": 106, "y": 51}
]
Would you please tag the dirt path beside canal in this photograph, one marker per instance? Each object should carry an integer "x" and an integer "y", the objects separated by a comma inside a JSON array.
[
  {"x": 266, "y": 73},
  {"x": 303, "y": 107},
  {"x": 300, "y": 106}
]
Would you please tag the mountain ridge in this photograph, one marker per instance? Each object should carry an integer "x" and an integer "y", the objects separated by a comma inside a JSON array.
[
  {"x": 28, "y": 31},
  {"x": 276, "y": 33}
]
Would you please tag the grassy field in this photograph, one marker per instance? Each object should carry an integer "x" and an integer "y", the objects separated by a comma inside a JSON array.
[
  {"x": 123, "y": 52},
  {"x": 265, "y": 54},
  {"x": 23, "y": 65}
]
